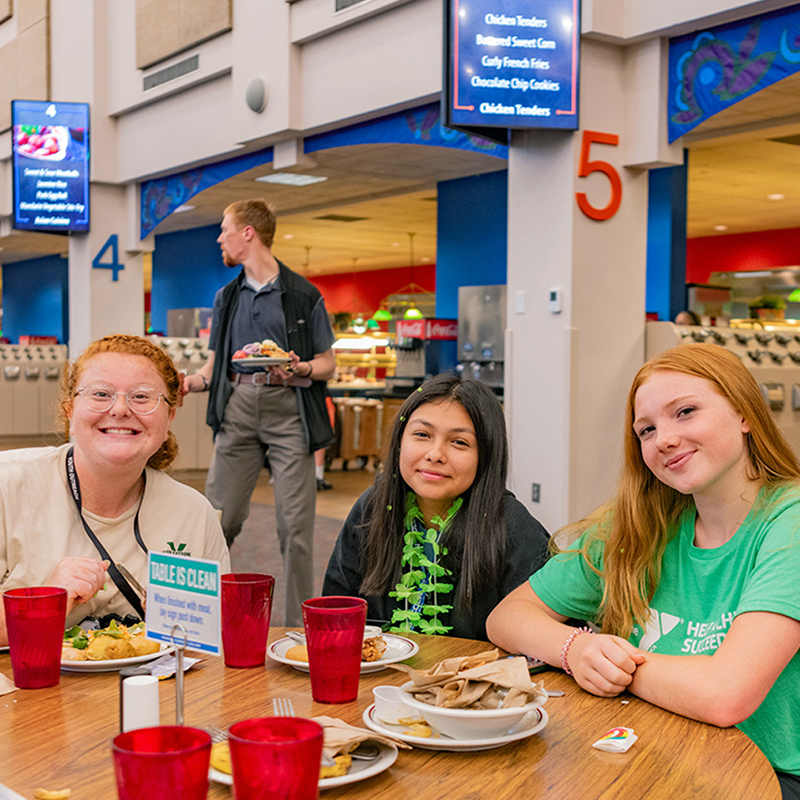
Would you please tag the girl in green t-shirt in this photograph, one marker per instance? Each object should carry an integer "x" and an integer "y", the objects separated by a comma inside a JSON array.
[{"x": 691, "y": 569}]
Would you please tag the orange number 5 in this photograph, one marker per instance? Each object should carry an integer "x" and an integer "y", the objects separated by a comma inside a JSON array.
[{"x": 587, "y": 167}]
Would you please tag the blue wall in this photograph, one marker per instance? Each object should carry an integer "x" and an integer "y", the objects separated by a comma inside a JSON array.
[
  {"x": 666, "y": 241},
  {"x": 187, "y": 272},
  {"x": 36, "y": 299},
  {"x": 472, "y": 232}
]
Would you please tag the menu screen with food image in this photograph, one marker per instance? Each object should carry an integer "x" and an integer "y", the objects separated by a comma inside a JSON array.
[{"x": 51, "y": 165}]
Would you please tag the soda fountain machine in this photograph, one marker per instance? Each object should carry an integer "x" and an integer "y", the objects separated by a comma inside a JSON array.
[{"x": 481, "y": 333}]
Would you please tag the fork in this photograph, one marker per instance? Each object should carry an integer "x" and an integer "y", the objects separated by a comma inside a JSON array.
[
  {"x": 217, "y": 734},
  {"x": 283, "y": 707}
]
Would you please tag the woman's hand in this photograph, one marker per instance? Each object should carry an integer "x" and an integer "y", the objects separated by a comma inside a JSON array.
[
  {"x": 83, "y": 578},
  {"x": 603, "y": 664}
]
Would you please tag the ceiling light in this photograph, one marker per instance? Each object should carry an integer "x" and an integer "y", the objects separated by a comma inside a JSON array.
[
  {"x": 720, "y": 227},
  {"x": 395, "y": 244},
  {"x": 291, "y": 179},
  {"x": 382, "y": 315},
  {"x": 413, "y": 313},
  {"x": 794, "y": 296},
  {"x": 184, "y": 207},
  {"x": 288, "y": 236},
  {"x": 776, "y": 197}
]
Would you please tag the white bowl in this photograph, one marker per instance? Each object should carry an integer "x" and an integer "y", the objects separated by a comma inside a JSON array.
[{"x": 469, "y": 723}]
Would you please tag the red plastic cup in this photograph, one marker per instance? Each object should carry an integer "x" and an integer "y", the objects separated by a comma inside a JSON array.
[
  {"x": 334, "y": 634},
  {"x": 163, "y": 763},
  {"x": 276, "y": 757},
  {"x": 246, "y": 609},
  {"x": 35, "y": 620}
]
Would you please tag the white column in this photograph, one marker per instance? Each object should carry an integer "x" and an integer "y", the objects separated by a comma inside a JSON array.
[
  {"x": 98, "y": 304},
  {"x": 568, "y": 373}
]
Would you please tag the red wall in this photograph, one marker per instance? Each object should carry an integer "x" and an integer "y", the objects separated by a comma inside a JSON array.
[
  {"x": 362, "y": 292},
  {"x": 741, "y": 251}
]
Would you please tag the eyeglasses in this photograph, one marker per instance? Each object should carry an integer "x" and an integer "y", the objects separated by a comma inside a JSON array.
[{"x": 141, "y": 400}]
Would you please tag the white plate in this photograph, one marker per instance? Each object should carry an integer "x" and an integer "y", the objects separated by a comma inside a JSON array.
[
  {"x": 261, "y": 361},
  {"x": 533, "y": 723},
  {"x": 113, "y": 664},
  {"x": 359, "y": 771},
  {"x": 398, "y": 648}
]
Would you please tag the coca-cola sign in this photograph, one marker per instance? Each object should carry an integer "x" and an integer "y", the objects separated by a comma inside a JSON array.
[{"x": 428, "y": 328}]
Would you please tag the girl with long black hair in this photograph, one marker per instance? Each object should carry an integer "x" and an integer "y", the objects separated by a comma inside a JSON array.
[{"x": 438, "y": 540}]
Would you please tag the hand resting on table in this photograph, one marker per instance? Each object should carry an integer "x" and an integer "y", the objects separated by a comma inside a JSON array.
[{"x": 603, "y": 664}]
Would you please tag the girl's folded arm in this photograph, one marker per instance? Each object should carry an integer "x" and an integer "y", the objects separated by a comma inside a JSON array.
[{"x": 725, "y": 688}]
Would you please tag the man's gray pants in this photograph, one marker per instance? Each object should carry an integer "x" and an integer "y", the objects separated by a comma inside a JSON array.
[{"x": 257, "y": 418}]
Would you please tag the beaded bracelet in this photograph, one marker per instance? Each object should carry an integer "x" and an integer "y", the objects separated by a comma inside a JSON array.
[{"x": 565, "y": 647}]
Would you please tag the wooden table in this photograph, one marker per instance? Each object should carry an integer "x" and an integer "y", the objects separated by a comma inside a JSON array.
[{"x": 60, "y": 737}]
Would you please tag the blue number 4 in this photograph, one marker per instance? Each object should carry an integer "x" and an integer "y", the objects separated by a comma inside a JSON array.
[{"x": 114, "y": 264}]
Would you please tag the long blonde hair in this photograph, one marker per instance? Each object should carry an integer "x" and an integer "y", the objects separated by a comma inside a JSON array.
[
  {"x": 636, "y": 527},
  {"x": 134, "y": 346}
]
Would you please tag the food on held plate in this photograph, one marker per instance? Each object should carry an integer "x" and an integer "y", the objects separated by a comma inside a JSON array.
[
  {"x": 114, "y": 642},
  {"x": 260, "y": 349},
  {"x": 50, "y": 794}
]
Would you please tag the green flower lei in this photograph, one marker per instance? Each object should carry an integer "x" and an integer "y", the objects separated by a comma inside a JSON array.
[{"x": 415, "y": 582}]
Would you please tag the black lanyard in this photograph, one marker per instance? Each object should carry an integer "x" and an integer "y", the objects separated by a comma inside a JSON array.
[{"x": 123, "y": 585}]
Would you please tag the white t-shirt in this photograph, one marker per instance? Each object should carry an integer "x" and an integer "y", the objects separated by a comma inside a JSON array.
[{"x": 40, "y": 525}]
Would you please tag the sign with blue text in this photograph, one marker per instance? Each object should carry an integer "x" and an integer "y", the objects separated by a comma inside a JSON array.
[
  {"x": 511, "y": 63},
  {"x": 50, "y": 166},
  {"x": 184, "y": 591}
]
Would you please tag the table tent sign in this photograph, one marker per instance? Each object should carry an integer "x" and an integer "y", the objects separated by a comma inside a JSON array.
[{"x": 184, "y": 591}]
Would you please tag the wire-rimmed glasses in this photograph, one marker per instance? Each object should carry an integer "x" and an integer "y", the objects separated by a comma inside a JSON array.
[{"x": 141, "y": 400}]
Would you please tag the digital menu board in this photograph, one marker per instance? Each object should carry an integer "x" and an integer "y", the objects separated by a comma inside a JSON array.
[
  {"x": 51, "y": 165},
  {"x": 511, "y": 64}
]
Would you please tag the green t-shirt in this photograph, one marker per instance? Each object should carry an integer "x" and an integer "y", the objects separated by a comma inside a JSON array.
[{"x": 701, "y": 592}]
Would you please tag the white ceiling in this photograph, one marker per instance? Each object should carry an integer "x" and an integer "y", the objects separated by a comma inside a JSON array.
[{"x": 734, "y": 163}]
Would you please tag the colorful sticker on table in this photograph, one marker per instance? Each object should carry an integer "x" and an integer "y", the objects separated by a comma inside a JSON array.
[{"x": 617, "y": 740}]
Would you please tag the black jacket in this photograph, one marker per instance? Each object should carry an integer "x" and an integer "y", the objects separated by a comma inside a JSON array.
[
  {"x": 526, "y": 552},
  {"x": 298, "y": 298}
]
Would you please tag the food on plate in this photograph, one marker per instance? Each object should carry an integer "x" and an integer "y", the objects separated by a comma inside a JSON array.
[
  {"x": 107, "y": 648},
  {"x": 417, "y": 728},
  {"x": 298, "y": 653},
  {"x": 221, "y": 760},
  {"x": 341, "y": 766},
  {"x": 221, "y": 757},
  {"x": 51, "y": 794},
  {"x": 373, "y": 648},
  {"x": 142, "y": 646},
  {"x": 108, "y": 644},
  {"x": 260, "y": 349}
]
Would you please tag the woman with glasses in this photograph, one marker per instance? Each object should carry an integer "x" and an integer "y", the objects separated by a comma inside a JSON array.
[{"x": 70, "y": 514}]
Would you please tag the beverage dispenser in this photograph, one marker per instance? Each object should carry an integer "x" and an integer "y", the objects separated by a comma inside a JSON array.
[
  {"x": 424, "y": 347},
  {"x": 481, "y": 333}
]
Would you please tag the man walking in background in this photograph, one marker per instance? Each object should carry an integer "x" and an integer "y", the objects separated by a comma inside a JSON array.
[{"x": 251, "y": 410}]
